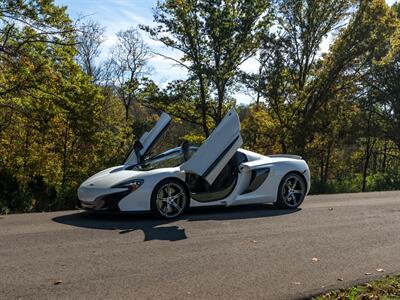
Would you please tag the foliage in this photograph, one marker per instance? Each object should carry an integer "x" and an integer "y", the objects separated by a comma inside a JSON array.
[
  {"x": 322, "y": 105},
  {"x": 65, "y": 113},
  {"x": 56, "y": 127},
  {"x": 214, "y": 38},
  {"x": 385, "y": 288}
]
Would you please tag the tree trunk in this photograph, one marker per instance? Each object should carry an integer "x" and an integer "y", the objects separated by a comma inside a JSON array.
[
  {"x": 321, "y": 172},
  {"x": 26, "y": 147},
  {"x": 384, "y": 157},
  {"x": 366, "y": 163},
  {"x": 326, "y": 171},
  {"x": 203, "y": 107},
  {"x": 256, "y": 108},
  {"x": 283, "y": 145},
  {"x": 126, "y": 113},
  {"x": 367, "y": 154},
  {"x": 255, "y": 133},
  {"x": 221, "y": 96},
  {"x": 65, "y": 162}
]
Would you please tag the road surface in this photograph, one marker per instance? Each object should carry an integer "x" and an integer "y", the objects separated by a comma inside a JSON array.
[{"x": 255, "y": 252}]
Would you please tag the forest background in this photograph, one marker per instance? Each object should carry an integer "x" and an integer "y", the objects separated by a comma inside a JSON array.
[{"x": 65, "y": 114}]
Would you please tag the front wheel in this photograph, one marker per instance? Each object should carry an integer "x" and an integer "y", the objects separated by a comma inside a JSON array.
[
  {"x": 291, "y": 191},
  {"x": 169, "y": 199}
]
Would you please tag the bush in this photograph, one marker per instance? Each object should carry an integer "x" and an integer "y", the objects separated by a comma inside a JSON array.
[
  {"x": 35, "y": 195},
  {"x": 353, "y": 184},
  {"x": 347, "y": 185},
  {"x": 383, "y": 182}
]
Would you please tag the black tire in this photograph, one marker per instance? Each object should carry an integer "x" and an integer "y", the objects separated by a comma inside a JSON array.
[
  {"x": 163, "y": 204},
  {"x": 289, "y": 196}
]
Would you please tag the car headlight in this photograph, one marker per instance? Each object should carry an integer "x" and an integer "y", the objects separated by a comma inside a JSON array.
[{"x": 132, "y": 184}]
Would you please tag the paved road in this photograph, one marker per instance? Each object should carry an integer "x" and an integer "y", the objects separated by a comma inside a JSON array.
[{"x": 247, "y": 253}]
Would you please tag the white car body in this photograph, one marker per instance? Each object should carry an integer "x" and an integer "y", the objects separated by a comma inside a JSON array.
[{"x": 258, "y": 177}]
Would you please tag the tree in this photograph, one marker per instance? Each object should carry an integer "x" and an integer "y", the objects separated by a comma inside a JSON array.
[
  {"x": 129, "y": 65},
  {"x": 312, "y": 96},
  {"x": 289, "y": 59},
  {"x": 89, "y": 38},
  {"x": 365, "y": 39},
  {"x": 214, "y": 38},
  {"x": 56, "y": 128},
  {"x": 298, "y": 84},
  {"x": 180, "y": 98},
  {"x": 382, "y": 83},
  {"x": 24, "y": 24},
  {"x": 386, "y": 90}
]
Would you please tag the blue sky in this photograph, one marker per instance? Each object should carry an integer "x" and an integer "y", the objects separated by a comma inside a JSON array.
[{"x": 116, "y": 15}]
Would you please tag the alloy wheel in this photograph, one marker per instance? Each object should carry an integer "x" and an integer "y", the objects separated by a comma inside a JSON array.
[
  {"x": 293, "y": 190},
  {"x": 171, "y": 200}
]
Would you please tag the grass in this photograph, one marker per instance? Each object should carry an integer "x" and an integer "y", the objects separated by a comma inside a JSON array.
[{"x": 382, "y": 289}]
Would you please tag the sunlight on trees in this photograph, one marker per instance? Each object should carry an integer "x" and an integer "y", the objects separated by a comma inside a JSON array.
[{"x": 66, "y": 114}]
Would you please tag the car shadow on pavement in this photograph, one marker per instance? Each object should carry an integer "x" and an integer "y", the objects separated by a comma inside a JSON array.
[{"x": 156, "y": 229}]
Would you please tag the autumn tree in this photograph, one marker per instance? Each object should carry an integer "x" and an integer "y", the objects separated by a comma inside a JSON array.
[
  {"x": 24, "y": 26},
  {"x": 363, "y": 40},
  {"x": 55, "y": 126},
  {"x": 307, "y": 92}
]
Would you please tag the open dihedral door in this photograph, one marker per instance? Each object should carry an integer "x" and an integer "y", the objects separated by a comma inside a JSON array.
[
  {"x": 148, "y": 139},
  {"x": 211, "y": 157}
]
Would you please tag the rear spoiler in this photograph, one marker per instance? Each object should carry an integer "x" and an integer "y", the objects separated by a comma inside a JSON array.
[{"x": 286, "y": 156}]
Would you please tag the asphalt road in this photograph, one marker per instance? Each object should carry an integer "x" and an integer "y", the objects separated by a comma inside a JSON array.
[{"x": 255, "y": 252}]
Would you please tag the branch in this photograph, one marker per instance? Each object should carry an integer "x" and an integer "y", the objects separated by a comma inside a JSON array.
[{"x": 173, "y": 59}]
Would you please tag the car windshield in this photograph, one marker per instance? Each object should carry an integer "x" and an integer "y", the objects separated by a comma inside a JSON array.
[{"x": 168, "y": 159}]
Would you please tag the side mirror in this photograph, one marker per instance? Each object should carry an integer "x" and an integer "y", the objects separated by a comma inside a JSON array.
[
  {"x": 137, "y": 145},
  {"x": 186, "y": 150}
]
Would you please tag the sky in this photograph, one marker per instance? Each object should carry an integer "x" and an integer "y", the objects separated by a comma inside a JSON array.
[{"x": 117, "y": 15}]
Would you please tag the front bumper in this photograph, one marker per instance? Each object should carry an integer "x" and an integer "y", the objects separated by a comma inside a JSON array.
[{"x": 107, "y": 202}]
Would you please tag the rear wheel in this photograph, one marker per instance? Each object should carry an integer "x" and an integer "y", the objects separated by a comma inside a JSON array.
[
  {"x": 169, "y": 199},
  {"x": 292, "y": 191}
]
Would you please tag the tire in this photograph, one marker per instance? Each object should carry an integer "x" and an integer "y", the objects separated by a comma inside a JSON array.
[
  {"x": 291, "y": 191},
  {"x": 169, "y": 199}
]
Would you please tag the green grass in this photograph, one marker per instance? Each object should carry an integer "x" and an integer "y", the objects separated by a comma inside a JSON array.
[{"x": 385, "y": 288}]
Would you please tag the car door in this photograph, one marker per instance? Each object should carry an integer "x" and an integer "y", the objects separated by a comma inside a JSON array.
[
  {"x": 211, "y": 157},
  {"x": 148, "y": 139}
]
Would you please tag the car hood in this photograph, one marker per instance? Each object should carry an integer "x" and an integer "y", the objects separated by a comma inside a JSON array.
[{"x": 110, "y": 177}]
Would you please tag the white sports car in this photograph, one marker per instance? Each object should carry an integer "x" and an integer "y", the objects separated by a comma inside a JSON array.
[{"x": 216, "y": 173}]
